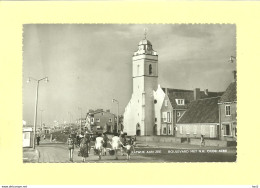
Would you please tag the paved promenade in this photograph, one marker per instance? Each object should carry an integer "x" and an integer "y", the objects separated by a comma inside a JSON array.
[{"x": 57, "y": 152}]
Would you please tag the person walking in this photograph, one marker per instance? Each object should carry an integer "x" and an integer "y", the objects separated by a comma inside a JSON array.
[
  {"x": 123, "y": 142},
  {"x": 105, "y": 138},
  {"x": 77, "y": 140},
  {"x": 38, "y": 138},
  {"x": 115, "y": 143},
  {"x": 202, "y": 141},
  {"x": 99, "y": 145},
  {"x": 70, "y": 142},
  {"x": 84, "y": 145}
]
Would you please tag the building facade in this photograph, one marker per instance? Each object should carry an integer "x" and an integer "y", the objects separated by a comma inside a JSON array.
[{"x": 228, "y": 113}]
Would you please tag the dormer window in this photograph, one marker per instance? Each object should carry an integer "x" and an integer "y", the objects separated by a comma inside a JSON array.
[{"x": 179, "y": 101}]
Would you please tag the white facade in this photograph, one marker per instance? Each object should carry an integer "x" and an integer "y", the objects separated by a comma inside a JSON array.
[
  {"x": 139, "y": 114},
  {"x": 159, "y": 97}
]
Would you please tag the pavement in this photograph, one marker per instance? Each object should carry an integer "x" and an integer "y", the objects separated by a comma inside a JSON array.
[
  {"x": 30, "y": 155},
  {"x": 180, "y": 146},
  {"x": 57, "y": 152}
]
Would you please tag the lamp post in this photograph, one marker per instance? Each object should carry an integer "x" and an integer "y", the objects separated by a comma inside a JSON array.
[
  {"x": 41, "y": 119},
  {"x": 36, "y": 104},
  {"x": 114, "y": 100}
]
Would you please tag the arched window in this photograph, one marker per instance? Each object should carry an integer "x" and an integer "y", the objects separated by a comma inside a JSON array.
[{"x": 150, "y": 69}]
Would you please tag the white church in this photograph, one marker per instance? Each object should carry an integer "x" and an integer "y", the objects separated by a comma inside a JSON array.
[
  {"x": 153, "y": 110},
  {"x": 139, "y": 114}
]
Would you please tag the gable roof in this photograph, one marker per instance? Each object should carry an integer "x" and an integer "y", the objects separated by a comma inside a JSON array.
[
  {"x": 230, "y": 95},
  {"x": 202, "y": 111},
  {"x": 187, "y": 95}
]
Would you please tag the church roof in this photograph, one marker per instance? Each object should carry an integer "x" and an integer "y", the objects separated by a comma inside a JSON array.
[
  {"x": 202, "y": 111},
  {"x": 144, "y": 41}
]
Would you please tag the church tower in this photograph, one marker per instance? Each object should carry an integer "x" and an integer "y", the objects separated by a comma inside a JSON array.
[{"x": 139, "y": 113}]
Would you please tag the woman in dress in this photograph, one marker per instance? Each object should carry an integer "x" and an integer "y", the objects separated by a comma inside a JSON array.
[
  {"x": 105, "y": 138},
  {"x": 84, "y": 144},
  {"x": 99, "y": 145},
  {"x": 116, "y": 143}
]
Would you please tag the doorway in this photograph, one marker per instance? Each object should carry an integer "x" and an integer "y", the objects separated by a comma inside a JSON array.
[{"x": 138, "y": 130}]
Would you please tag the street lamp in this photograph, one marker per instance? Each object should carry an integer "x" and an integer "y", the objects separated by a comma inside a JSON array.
[
  {"x": 36, "y": 104},
  {"x": 114, "y": 100}
]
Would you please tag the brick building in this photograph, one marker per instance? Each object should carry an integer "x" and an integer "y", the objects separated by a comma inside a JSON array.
[{"x": 101, "y": 121}]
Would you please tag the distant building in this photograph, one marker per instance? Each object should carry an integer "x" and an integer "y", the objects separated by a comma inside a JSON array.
[
  {"x": 201, "y": 118},
  {"x": 228, "y": 112},
  {"x": 100, "y": 121},
  {"x": 81, "y": 121}
]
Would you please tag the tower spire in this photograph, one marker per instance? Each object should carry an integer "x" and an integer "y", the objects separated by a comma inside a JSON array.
[{"x": 145, "y": 32}]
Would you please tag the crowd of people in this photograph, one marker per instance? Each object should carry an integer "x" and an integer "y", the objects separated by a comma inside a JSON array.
[{"x": 100, "y": 148}]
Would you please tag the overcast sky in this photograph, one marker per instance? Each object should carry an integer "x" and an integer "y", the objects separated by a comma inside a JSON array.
[{"x": 89, "y": 65}]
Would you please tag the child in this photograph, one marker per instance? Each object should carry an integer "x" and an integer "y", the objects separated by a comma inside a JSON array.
[
  {"x": 128, "y": 147},
  {"x": 70, "y": 143},
  {"x": 133, "y": 143}
]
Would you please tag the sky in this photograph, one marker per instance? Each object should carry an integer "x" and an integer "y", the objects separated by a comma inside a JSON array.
[{"x": 88, "y": 65}]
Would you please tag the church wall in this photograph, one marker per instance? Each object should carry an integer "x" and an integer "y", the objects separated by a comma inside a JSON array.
[{"x": 159, "y": 96}]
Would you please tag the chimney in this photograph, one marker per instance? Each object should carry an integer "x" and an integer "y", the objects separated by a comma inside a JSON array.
[
  {"x": 196, "y": 93},
  {"x": 206, "y": 91},
  {"x": 235, "y": 75}
]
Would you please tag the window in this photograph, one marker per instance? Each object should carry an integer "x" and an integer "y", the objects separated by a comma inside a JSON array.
[
  {"x": 110, "y": 120},
  {"x": 181, "y": 131},
  {"x": 178, "y": 114},
  {"x": 102, "y": 113},
  {"x": 187, "y": 129},
  {"x": 227, "y": 110},
  {"x": 155, "y": 101},
  {"x": 164, "y": 129},
  {"x": 169, "y": 117},
  {"x": 92, "y": 120},
  {"x": 97, "y": 120},
  {"x": 169, "y": 129},
  {"x": 155, "y": 119},
  {"x": 226, "y": 128},
  {"x": 179, "y": 101},
  {"x": 150, "y": 69},
  {"x": 138, "y": 66},
  {"x": 164, "y": 115},
  {"x": 166, "y": 103}
]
